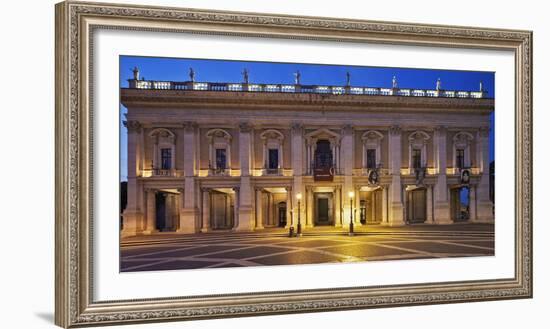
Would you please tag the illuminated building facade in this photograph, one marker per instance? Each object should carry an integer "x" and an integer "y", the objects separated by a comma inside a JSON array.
[{"x": 243, "y": 157}]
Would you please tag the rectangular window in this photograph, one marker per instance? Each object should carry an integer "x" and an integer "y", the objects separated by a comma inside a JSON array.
[
  {"x": 416, "y": 158},
  {"x": 459, "y": 158},
  {"x": 371, "y": 158},
  {"x": 273, "y": 161},
  {"x": 166, "y": 158},
  {"x": 221, "y": 159}
]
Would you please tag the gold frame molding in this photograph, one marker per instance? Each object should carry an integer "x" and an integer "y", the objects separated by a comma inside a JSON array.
[{"x": 75, "y": 23}]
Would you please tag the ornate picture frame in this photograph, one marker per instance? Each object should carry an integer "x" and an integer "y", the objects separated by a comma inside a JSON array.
[{"x": 75, "y": 25}]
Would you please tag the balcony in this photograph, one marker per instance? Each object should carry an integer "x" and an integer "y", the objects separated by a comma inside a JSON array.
[
  {"x": 456, "y": 170},
  {"x": 161, "y": 173},
  {"x": 365, "y": 171},
  {"x": 272, "y": 172},
  {"x": 219, "y": 172}
]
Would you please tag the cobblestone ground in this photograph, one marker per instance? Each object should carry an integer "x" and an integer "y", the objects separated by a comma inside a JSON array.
[{"x": 171, "y": 251}]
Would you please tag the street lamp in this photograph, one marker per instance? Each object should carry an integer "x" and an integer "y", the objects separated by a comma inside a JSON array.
[
  {"x": 351, "y": 194},
  {"x": 299, "y": 229}
]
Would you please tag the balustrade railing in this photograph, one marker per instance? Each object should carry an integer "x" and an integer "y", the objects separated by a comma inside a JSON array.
[
  {"x": 294, "y": 88},
  {"x": 219, "y": 172}
]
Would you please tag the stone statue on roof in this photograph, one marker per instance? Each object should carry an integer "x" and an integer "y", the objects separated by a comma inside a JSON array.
[
  {"x": 297, "y": 76},
  {"x": 136, "y": 73},
  {"x": 438, "y": 84},
  {"x": 394, "y": 82},
  {"x": 348, "y": 79},
  {"x": 191, "y": 74},
  {"x": 245, "y": 76}
]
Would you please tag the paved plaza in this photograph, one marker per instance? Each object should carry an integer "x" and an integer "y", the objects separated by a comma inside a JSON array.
[{"x": 171, "y": 251}]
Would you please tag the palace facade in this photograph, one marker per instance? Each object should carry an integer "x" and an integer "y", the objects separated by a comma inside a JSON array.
[{"x": 241, "y": 156}]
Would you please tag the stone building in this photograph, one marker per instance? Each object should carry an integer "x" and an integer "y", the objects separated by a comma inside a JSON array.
[{"x": 242, "y": 156}]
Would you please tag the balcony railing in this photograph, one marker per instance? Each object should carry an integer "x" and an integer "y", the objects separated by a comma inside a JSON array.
[
  {"x": 272, "y": 172},
  {"x": 335, "y": 171},
  {"x": 303, "y": 89},
  {"x": 162, "y": 173},
  {"x": 365, "y": 171},
  {"x": 219, "y": 172}
]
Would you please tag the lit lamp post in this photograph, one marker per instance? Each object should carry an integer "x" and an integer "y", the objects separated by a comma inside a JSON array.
[
  {"x": 299, "y": 228},
  {"x": 351, "y": 194}
]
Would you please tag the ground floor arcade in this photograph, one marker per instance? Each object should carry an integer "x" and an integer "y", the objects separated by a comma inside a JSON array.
[{"x": 226, "y": 204}]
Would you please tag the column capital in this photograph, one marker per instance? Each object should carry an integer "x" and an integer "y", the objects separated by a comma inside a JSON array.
[
  {"x": 484, "y": 132},
  {"x": 205, "y": 189},
  {"x": 297, "y": 127},
  {"x": 190, "y": 126},
  {"x": 347, "y": 129},
  {"x": 440, "y": 129},
  {"x": 236, "y": 189},
  {"x": 245, "y": 127},
  {"x": 181, "y": 190},
  {"x": 395, "y": 130},
  {"x": 133, "y": 126},
  {"x": 150, "y": 190}
]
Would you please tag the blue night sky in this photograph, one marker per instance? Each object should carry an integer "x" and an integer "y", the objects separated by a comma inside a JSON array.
[{"x": 172, "y": 69}]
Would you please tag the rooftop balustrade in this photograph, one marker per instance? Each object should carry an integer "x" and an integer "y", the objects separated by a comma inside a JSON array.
[{"x": 300, "y": 89}]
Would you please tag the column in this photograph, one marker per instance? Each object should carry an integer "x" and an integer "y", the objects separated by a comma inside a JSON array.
[
  {"x": 347, "y": 170},
  {"x": 484, "y": 211},
  {"x": 297, "y": 149},
  {"x": 357, "y": 207},
  {"x": 236, "y": 206},
  {"x": 309, "y": 205},
  {"x": 395, "y": 217},
  {"x": 189, "y": 217},
  {"x": 205, "y": 210},
  {"x": 151, "y": 224},
  {"x": 133, "y": 215},
  {"x": 384, "y": 205},
  {"x": 269, "y": 211},
  {"x": 244, "y": 195},
  {"x": 337, "y": 207},
  {"x": 183, "y": 226},
  {"x": 473, "y": 204},
  {"x": 264, "y": 152},
  {"x": 442, "y": 210},
  {"x": 289, "y": 211},
  {"x": 259, "y": 219},
  {"x": 429, "y": 205},
  {"x": 308, "y": 157}
]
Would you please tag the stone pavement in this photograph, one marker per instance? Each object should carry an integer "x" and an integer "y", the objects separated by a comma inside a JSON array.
[{"x": 172, "y": 251}]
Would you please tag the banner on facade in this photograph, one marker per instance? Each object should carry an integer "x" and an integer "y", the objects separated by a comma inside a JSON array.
[{"x": 323, "y": 174}]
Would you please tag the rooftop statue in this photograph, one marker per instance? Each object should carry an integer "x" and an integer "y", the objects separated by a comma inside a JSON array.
[
  {"x": 297, "y": 76},
  {"x": 245, "y": 76}
]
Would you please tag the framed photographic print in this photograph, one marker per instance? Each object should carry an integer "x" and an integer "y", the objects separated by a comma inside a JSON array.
[{"x": 217, "y": 164}]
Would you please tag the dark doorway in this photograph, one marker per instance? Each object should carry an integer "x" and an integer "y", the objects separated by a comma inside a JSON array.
[
  {"x": 160, "y": 200},
  {"x": 282, "y": 214},
  {"x": 460, "y": 204},
  {"x": 416, "y": 206},
  {"x": 322, "y": 211}
]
